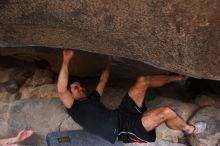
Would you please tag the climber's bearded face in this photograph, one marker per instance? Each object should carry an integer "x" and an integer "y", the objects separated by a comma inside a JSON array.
[{"x": 77, "y": 90}]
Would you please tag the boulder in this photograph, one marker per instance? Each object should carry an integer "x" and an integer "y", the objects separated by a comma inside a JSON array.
[
  {"x": 183, "y": 109},
  {"x": 69, "y": 124},
  {"x": 8, "y": 91},
  {"x": 179, "y": 36},
  {"x": 10, "y": 82},
  {"x": 15, "y": 75},
  {"x": 211, "y": 136},
  {"x": 5, "y": 74},
  {"x": 44, "y": 91},
  {"x": 112, "y": 97},
  {"x": 4, "y": 108},
  {"x": 40, "y": 77},
  {"x": 20, "y": 75},
  {"x": 207, "y": 100},
  {"x": 41, "y": 115}
]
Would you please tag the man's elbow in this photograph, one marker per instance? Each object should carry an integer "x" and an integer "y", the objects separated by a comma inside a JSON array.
[
  {"x": 61, "y": 91},
  {"x": 61, "y": 94}
]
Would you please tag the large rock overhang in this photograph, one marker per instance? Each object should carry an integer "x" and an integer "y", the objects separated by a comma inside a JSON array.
[{"x": 179, "y": 36}]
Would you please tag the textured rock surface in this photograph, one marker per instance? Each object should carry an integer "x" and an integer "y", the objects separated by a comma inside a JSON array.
[
  {"x": 211, "y": 137},
  {"x": 43, "y": 116},
  {"x": 181, "y": 36},
  {"x": 40, "y": 77},
  {"x": 207, "y": 100},
  {"x": 8, "y": 92},
  {"x": 44, "y": 91},
  {"x": 10, "y": 82},
  {"x": 185, "y": 110}
]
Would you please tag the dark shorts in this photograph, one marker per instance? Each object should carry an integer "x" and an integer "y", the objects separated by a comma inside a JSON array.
[{"x": 130, "y": 125}]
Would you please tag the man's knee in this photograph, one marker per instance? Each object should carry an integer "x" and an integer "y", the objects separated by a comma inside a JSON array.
[
  {"x": 168, "y": 112},
  {"x": 142, "y": 80},
  {"x": 165, "y": 113},
  {"x": 155, "y": 117},
  {"x": 161, "y": 113}
]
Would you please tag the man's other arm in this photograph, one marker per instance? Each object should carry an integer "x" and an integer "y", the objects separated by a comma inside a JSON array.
[{"x": 104, "y": 77}]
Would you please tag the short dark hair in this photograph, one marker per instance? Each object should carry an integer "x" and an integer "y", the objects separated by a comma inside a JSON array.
[{"x": 70, "y": 82}]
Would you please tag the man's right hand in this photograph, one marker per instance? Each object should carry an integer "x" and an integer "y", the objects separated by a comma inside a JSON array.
[{"x": 67, "y": 55}]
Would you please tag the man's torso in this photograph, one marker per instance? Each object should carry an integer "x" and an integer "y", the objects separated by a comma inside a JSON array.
[{"x": 92, "y": 115}]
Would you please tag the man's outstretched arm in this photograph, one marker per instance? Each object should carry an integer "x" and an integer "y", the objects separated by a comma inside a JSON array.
[
  {"x": 104, "y": 77},
  {"x": 64, "y": 94}
]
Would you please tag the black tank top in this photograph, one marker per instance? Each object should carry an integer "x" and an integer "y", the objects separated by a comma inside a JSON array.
[{"x": 93, "y": 116}]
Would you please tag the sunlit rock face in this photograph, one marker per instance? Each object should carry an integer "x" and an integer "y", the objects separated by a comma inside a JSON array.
[{"x": 180, "y": 36}]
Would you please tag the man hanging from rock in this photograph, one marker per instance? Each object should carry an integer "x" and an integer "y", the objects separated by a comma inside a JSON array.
[{"x": 130, "y": 122}]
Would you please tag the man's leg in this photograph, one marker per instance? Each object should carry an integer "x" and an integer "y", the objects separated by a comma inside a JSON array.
[
  {"x": 138, "y": 90},
  {"x": 157, "y": 116},
  {"x": 160, "y": 80}
]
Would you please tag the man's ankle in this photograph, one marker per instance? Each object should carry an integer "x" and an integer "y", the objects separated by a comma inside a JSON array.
[{"x": 189, "y": 129}]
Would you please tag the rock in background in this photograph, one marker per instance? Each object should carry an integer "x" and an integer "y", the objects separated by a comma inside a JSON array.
[
  {"x": 40, "y": 85},
  {"x": 207, "y": 100},
  {"x": 44, "y": 91},
  {"x": 11, "y": 81},
  {"x": 41, "y": 115},
  {"x": 40, "y": 77}
]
